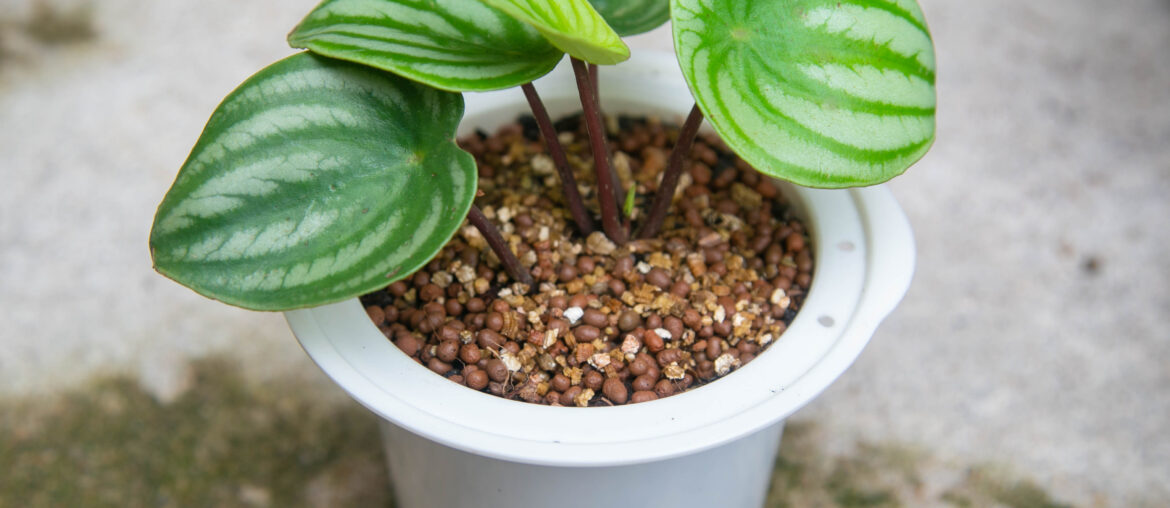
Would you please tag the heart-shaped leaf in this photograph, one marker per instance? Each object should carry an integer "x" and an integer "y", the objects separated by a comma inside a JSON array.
[
  {"x": 632, "y": 17},
  {"x": 572, "y": 25},
  {"x": 823, "y": 93},
  {"x": 456, "y": 45},
  {"x": 315, "y": 181}
]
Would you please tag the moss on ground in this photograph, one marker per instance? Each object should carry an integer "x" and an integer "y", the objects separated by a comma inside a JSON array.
[
  {"x": 223, "y": 443},
  {"x": 54, "y": 23},
  {"x": 51, "y": 24},
  {"x": 887, "y": 476},
  {"x": 229, "y": 443}
]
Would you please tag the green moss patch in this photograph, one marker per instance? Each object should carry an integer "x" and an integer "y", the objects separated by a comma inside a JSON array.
[
  {"x": 52, "y": 23},
  {"x": 223, "y": 443},
  {"x": 888, "y": 475}
]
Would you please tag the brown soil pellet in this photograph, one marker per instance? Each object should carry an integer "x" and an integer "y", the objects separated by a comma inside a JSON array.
[
  {"x": 477, "y": 380},
  {"x": 376, "y": 314},
  {"x": 654, "y": 342},
  {"x": 659, "y": 277},
  {"x": 605, "y": 324},
  {"x": 448, "y": 350},
  {"x": 596, "y": 318},
  {"x": 570, "y": 394},
  {"x": 409, "y": 344},
  {"x": 587, "y": 333},
  {"x": 615, "y": 390},
  {"x": 643, "y": 396},
  {"x": 639, "y": 366},
  {"x": 560, "y": 382},
  {"x": 664, "y": 388},
  {"x": 593, "y": 380},
  {"x": 489, "y": 339},
  {"x": 674, "y": 326},
  {"x": 497, "y": 371},
  {"x": 470, "y": 354},
  {"x": 629, "y": 320},
  {"x": 643, "y": 382},
  {"x": 439, "y": 366}
]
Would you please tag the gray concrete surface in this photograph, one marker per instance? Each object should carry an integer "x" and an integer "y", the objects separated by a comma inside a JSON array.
[{"x": 1034, "y": 335}]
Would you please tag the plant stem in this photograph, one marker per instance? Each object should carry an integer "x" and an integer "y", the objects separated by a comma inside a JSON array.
[
  {"x": 557, "y": 152},
  {"x": 665, "y": 193},
  {"x": 500, "y": 247},
  {"x": 618, "y": 192},
  {"x": 610, "y": 218},
  {"x": 596, "y": 84}
]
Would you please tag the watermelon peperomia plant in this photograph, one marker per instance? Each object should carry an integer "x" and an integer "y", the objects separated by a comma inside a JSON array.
[{"x": 334, "y": 172}]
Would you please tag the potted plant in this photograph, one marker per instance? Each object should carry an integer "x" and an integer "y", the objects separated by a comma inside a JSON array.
[{"x": 335, "y": 172}]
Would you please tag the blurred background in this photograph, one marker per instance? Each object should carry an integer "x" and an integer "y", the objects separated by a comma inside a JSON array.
[{"x": 1029, "y": 365}]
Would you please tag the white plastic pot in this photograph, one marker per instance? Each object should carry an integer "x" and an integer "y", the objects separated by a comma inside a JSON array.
[{"x": 450, "y": 446}]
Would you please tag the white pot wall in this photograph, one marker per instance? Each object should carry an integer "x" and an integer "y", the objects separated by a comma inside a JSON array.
[{"x": 451, "y": 446}]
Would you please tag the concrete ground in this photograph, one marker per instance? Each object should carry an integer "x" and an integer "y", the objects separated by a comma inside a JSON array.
[{"x": 1034, "y": 337}]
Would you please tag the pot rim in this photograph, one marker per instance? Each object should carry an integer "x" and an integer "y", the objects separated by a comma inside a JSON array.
[{"x": 864, "y": 253}]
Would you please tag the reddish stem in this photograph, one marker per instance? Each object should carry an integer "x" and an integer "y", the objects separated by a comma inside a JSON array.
[
  {"x": 665, "y": 193},
  {"x": 500, "y": 247},
  {"x": 557, "y": 152},
  {"x": 618, "y": 193},
  {"x": 610, "y": 218},
  {"x": 596, "y": 84}
]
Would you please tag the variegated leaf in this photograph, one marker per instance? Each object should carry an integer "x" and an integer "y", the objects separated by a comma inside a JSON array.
[
  {"x": 315, "y": 181},
  {"x": 572, "y": 25},
  {"x": 823, "y": 93},
  {"x": 456, "y": 45},
  {"x": 632, "y": 17}
]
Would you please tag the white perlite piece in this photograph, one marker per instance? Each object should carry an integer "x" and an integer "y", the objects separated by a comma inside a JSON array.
[
  {"x": 724, "y": 363},
  {"x": 465, "y": 274},
  {"x": 631, "y": 344},
  {"x": 738, "y": 320},
  {"x": 777, "y": 295},
  {"x": 543, "y": 164},
  {"x": 675, "y": 372},
  {"x": 513, "y": 363},
  {"x": 599, "y": 360},
  {"x": 573, "y": 314},
  {"x": 597, "y": 242},
  {"x": 663, "y": 332},
  {"x": 720, "y": 314},
  {"x": 643, "y": 267},
  {"x": 780, "y": 299},
  {"x": 442, "y": 279},
  {"x": 505, "y": 214}
]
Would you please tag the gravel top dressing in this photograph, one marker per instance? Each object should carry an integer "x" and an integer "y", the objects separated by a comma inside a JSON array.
[{"x": 606, "y": 324}]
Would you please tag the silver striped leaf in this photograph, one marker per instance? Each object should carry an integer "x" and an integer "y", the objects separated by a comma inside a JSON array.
[
  {"x": 455, "y": 45},
  {"x": 571, "y": 25},
  {"x": 315, "y": 181},
  {"x": 632, "y": 17},
  {"x": 823, "y": 93}
]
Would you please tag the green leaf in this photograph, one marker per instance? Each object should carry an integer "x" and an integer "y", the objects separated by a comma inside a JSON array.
[
  {"x": 632, "y": 17},
  {"x": 823, "y": 93},
  {"x": 455, "y": 45},
  {"x": 572, "y": 25},
  {"x": 315, "y": 181}
]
